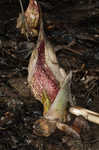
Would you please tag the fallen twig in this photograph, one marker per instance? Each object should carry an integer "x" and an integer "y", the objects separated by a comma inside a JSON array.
[
  {"x": 87, "y": 114},
  {"x": 59, "y": 47}
]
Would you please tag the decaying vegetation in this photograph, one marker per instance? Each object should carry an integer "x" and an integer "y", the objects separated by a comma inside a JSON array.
[{"x": 73, "y": 31}]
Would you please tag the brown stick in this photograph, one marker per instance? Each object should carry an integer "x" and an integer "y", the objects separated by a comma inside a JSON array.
[{"x": 58, "y": 47}]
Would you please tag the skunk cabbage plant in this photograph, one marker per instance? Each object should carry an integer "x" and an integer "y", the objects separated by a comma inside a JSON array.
[
  {"x": 45, "y": 76},
  {"x": 50, "y": 85}
]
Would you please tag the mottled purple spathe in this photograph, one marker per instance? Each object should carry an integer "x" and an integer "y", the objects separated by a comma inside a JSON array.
[{"x": 43, "y": 78}]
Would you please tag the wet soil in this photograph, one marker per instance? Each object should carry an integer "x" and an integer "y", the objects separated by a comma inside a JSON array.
[{"x": 73, "y": 28}]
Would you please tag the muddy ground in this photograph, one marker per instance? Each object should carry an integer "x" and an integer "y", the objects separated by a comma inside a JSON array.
[{"x": 73, "y": 28}]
